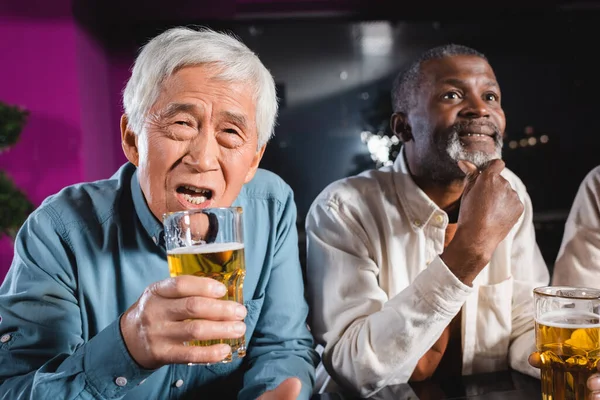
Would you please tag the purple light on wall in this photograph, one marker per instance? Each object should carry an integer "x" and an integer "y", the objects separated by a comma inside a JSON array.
[
  {"x": 38, "y": 74},
  {"x": 66, "y": 81}
]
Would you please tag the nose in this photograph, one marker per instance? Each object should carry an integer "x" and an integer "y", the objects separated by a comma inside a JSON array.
[
  {"x": 475, "y": 107},
  {"x": 203, "y": 152}
]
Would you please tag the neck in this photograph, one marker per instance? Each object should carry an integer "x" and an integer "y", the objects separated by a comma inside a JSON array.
[{"x": 445, "y": 195}]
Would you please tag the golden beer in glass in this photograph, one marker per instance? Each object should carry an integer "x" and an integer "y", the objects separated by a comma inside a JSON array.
[
  {"x": 567, "y": 332},
  {"x": 209, "y": 243}
]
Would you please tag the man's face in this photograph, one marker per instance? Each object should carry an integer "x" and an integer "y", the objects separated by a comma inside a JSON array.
[
  {"x": 457, "y": 115},
  {"x": 199, "y": 145}
]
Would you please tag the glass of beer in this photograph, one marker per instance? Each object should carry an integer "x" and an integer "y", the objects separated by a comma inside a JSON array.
[
  {"x": 567, "y": 333},
  {"x": 210, "y": 243}
]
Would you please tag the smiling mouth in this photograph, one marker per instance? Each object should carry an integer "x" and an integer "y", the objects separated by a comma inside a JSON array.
[
  {"x": 195, "y": 195},
  {"x": 476, "y": 137}
]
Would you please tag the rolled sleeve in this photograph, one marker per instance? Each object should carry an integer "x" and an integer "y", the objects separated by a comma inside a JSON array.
[{"x": 439, "y": 287}]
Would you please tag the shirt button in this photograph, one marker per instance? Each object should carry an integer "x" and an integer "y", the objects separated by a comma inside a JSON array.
[
  {"x": 179, "y": 383},
  {"x": 5, "y": 338},
  {"x": 417, "y": 222},
  {"x": 121, "y": 381},
  {"x": 439, "y": 219}
]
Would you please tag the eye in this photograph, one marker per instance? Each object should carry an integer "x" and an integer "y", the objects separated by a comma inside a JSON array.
[
  {"x": 231, "y": 131},
  {"x": 231, "y": 138},
  {"x": 184, "y": 123},
  {"x": 490, "y": 97},
  {"x": 451, "y": 96}
]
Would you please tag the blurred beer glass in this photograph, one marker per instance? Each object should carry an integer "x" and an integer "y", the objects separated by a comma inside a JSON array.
[
  {"x": 210, "y": 243},
  {"x": 567, "y": 328}
]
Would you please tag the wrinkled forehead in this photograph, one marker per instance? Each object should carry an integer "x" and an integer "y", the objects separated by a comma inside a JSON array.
[
  {"x": 462, "y": 68},
  {"x": 210, "y": 84}
]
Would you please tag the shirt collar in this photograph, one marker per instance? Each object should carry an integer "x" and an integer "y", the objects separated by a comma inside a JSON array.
[
  {"x": 152, "y": 226},
  {"x": 418, "y": 206}
]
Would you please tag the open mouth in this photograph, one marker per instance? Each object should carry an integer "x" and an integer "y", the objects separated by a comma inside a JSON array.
[
  {"x": 476, "y": 137},
  {"x": 195, "y": 195}
]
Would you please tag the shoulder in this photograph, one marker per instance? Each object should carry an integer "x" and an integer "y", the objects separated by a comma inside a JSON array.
[
  {"x": 587, "y": 198},
  {"x": 266, "y": 186},
  {"x": 353, "y": 200},
  {"x": 90, "y": 202},
  {"x": 361, "y": 188},
  {"x": 592, "y": 179}
]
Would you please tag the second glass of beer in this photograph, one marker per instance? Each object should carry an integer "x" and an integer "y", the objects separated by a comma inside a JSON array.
[
  {"x": 209, "y": 243},
  {"x": 567, "y": 330}
]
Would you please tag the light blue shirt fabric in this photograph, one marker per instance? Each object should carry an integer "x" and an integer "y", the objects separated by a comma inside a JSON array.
[{"x": 87, "y": 254}]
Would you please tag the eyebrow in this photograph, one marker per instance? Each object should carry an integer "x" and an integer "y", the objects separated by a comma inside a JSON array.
[
  {"x": 237, "y": 119},
  {"x": 173, "y": 108},
  {"x": 460, "y": 82}
]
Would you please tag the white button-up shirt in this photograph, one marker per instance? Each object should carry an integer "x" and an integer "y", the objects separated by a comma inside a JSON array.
[
  {"x": 381, "y": 296},
  {"x": 578, "y": 261}
]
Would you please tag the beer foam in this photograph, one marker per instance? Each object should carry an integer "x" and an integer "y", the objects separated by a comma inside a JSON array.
[
  {"x": 208, "y": 248},
  {"x": 569, "y": 319}
]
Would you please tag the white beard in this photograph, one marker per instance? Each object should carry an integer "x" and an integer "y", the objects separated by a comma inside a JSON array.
[{"x": 479, "y": 158}]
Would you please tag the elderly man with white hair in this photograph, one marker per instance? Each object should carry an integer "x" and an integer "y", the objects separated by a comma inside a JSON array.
[{"x": 88, "y": 309}]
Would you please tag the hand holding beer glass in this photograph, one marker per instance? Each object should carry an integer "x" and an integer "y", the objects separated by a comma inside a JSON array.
[
  {"x": 567, "y": 330},
  {"x": 184, "y": 310},
  {"x": 209, "y": 243}
]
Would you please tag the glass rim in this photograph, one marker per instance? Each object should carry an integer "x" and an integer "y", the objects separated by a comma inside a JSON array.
[
  {"x": 555, "y": 292},
  {"x": 166, "y": 215}
]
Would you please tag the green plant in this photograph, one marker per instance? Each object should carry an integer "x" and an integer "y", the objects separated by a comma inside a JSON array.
[
  {"x": 14, "y": 205},
  {"x": 12, "y": 121}
]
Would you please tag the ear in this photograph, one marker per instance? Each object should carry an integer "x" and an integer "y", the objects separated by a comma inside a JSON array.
[
  {"x": 129, "y": 142},
  {"x": 254, "y": 165},
  {"x": 400, "y": 127}
]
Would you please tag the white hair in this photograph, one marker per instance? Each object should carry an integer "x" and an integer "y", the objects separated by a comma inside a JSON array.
[{"x": 180, "y": 47}]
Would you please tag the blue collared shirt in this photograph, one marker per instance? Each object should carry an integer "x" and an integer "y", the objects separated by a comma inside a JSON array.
[{"x": 87, "y": 254}]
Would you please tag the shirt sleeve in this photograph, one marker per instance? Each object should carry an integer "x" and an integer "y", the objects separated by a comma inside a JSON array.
[
  {"x": 578, "y": 259},
  {"x": 282, "y": 346},
  {"x": 43, "y": 351},
  {"x": 529, "y": 271},
  {"x": 371, "y": 341}
]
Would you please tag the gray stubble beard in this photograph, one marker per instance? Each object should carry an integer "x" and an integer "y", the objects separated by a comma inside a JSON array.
[
  {"x": 480, "y": 159},
  {"x": 445, "y": 169}
]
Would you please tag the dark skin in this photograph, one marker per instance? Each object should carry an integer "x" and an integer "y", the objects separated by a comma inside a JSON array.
[
  {"x": 455, "y": 89},
  {"x": 459, "y": 89}
]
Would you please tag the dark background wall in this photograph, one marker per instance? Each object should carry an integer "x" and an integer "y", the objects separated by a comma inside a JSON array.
[
  {"x": 332, "y": 70},
  {"x": 333, "y": 60},
  {"x": 333, "y": 64}
]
